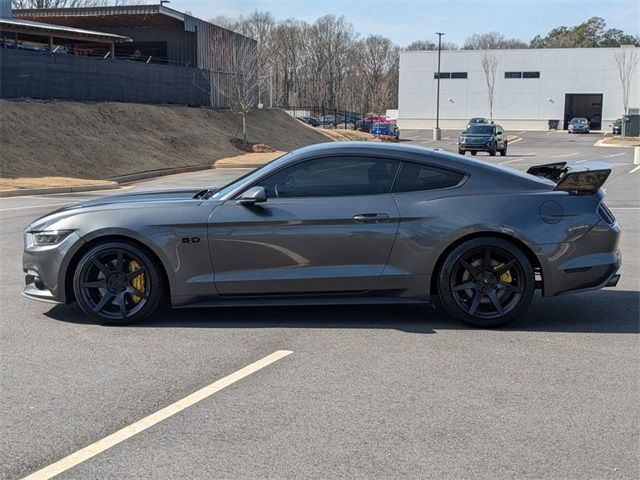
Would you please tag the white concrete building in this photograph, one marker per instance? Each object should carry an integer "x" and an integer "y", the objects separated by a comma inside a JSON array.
[{"x": 532, "y": 86}]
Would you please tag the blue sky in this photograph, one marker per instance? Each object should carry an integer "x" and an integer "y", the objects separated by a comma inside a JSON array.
[{"x": 406, "y": 20}]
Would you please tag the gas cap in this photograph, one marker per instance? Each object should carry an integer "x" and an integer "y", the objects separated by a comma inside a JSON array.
[{"x": 551, "y": 212}]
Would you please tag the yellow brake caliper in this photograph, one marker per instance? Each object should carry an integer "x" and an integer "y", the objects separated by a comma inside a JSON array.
[
  {"x": 137, "y": 282},
  {"x": 506, "y": 276}
]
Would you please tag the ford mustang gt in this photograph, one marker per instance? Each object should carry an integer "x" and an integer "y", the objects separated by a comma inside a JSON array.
[{"x": 343, "y": 223}]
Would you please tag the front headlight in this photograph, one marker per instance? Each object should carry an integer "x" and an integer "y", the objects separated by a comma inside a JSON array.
[{"x": 46, "y": 237}]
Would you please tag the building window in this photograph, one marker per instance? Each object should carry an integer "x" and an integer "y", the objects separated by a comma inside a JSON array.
[
  {"x": 530, "y": 74},
  {"x": 450, "y": 75},
  {"x": 512, "y": 74}
]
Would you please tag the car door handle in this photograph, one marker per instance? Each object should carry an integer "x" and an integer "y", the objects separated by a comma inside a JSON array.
[{"x": 371, "y": 217}]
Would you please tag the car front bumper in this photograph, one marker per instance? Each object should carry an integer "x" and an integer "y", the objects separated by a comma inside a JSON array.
[
  {"x": 477, "y": 147},
  {"x": 45, "y": 269}
]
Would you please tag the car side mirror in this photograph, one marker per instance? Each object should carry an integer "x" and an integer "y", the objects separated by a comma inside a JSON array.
[{"x": 252, "y": 196}]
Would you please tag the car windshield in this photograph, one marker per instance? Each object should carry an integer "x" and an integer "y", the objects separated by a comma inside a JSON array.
[
  {"x": 480, "y": 129},
  {"x": 229, "y": 187},
  {"x": 579, "y": 120}
]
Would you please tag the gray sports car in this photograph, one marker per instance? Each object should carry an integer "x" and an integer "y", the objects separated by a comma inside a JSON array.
[{"x": 342, "y": 223}]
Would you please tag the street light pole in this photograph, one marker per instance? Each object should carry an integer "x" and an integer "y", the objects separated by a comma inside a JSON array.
[{"x": 436, "y": 131}]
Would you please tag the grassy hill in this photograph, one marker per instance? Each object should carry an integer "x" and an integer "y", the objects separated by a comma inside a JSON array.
[{"x": 101, "y": 140}]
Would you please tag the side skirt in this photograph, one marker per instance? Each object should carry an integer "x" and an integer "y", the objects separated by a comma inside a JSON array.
[{"x": 289, "y": 301}]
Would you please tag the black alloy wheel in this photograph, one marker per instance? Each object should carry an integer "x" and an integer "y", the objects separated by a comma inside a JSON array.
[
  {"x": 486, "y": 282},
  {"x": 117, "y": 283}
]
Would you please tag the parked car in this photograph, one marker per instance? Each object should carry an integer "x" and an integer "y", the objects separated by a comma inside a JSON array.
[
  {"x": 477, "y": 120},
  {"x": 617, "y": 127},
  {"x": 336, "y": 222},
  {"x": 483, "y": 137},
  {"x": 330, "y": 120},
  {"x": 352, "y": 118},
  {"x": 364, "y": 125},
  {"x": 578, "y": 125},
  {"x": 387, "y": 128},
  {"x": 313, "y": 121}
]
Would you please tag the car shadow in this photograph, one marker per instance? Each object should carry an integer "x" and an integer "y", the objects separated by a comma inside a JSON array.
[{"x": 603, "y": 311}]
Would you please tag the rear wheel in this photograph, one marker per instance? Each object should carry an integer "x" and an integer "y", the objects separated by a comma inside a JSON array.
[
  {"x": 486, "y": 282},
  {"x": 117, "y": 283}
]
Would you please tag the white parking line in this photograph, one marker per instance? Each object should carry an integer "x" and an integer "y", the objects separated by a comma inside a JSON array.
[
  {"x": 635, "y": 169},
  {"x": 566, "y": 155},
  {"x": 127, "y": 432},
  {"x": 511, "y": 161},
  {"x": 516, "y": 140},
  {"x": 614, "y": 155},
  {"x": 35, "y": 206}
]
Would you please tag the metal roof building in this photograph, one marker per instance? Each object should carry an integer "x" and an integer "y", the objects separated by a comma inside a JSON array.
[{"x": 160, "y": 34}]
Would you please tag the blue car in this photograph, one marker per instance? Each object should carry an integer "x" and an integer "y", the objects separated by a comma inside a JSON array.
[{"x": 388, "y": 129}]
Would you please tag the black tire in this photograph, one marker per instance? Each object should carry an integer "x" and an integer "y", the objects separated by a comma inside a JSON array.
[
  {"x": 473, "y": 152},
  {"x": 492, "y": 150},
  {"x": 461, "y": 152},
  {"x": 107, "y": 289},
  {"x": 503, "y": 152},
  {"x": 475, "y": 287}
]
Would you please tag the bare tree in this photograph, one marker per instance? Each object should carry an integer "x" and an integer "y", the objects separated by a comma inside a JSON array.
[
  {"x": 235, "y": 81},
  {"x": 627, "y": 61},
  {"x": 490, "y": 67},
  {"x": 492, "y": 41}
]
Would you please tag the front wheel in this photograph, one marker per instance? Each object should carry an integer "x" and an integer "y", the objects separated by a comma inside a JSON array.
[
  {"x": 461, "y": 152},
  {"x": 117, "y": 283},
  {"x": 486, "y": 282},
  {"x": 492, "y": 150},
  {"x": 473, "y": 152}
]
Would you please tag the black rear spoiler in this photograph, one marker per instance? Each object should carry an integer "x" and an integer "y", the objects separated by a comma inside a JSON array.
[{"x": 576, "y": 178}]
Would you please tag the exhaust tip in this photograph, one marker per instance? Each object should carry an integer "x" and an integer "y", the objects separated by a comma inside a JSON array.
[{"x": 614, "y": 280}]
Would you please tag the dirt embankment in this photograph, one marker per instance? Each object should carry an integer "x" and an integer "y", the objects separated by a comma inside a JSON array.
[{"x": 102, "y": 140}]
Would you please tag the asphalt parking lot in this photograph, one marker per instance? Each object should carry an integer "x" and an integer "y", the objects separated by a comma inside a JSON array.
[{"x": 367, "y": 392}]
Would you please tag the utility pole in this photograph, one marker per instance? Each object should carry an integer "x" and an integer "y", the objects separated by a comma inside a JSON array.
[{"x": 436, "y": 131}]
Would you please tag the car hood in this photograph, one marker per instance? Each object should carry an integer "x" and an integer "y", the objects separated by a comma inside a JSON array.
[{"x": 128, "y": 200}]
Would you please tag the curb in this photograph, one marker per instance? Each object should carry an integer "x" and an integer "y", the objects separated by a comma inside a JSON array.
[
  {"x": 600, "y": 143},
  {"x": 118, "y": 181},
  {"x": 136, "y": 177},
  {"x": 238, "y": 165},
  {"x": 50, "y": 190}
]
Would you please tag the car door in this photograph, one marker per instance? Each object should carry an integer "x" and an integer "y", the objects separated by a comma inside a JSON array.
[{"x": 328, "y": 226}]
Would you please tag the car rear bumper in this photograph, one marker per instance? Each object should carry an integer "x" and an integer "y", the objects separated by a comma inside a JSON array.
[{"x": 588, "y": 263}]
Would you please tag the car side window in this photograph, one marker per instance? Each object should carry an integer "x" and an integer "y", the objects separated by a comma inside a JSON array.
[
  {"x": 331, "y": 177},
  {"x": 415, "y": 177}
]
